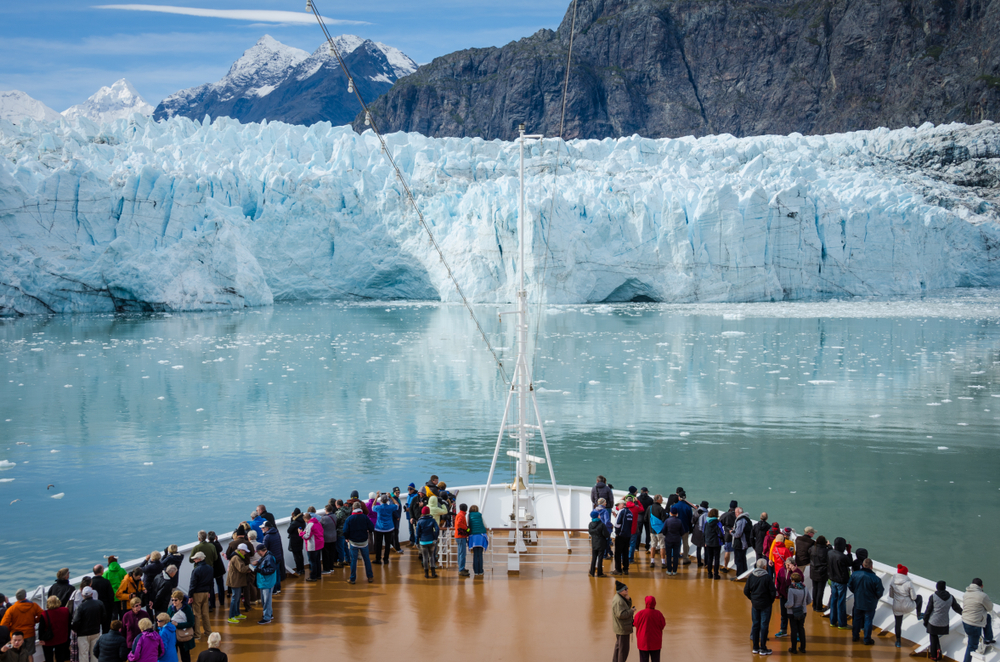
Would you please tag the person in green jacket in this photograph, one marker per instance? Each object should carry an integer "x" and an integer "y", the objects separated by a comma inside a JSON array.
[{"x": 115, "y": 574}]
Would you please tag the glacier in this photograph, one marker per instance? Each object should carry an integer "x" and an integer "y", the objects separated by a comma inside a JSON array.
[{"x": 139, "y": 215}]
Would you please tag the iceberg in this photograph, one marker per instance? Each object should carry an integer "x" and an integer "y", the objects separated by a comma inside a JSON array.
[{"x": 139, "y": 215}]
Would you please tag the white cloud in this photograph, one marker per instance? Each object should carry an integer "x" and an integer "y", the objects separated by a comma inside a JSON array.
[{"x": 259, "y": 15}]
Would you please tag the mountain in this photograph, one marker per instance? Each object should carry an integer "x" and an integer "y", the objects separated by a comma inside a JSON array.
[
  {"x": 273, "y": 81},
  {"x": 663, "y": 68},
  {"x": 111, "y": 103},
  {"x": 16, "y": 106},
  {"x": 180, "y": 215}
]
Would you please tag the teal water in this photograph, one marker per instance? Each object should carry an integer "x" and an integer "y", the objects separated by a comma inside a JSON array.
[{"x": 875, "y": 420}]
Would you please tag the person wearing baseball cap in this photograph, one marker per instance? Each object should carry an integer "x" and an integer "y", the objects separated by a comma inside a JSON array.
[
  {"x": 237, "y": 577},
  {"x": 87, "y": 619},
  {"x": 622, "y": 613},
  {"x": 199, "y": 590}
]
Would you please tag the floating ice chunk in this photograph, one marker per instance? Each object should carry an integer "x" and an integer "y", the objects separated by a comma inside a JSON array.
[
  {"x": 657, "y": 396},
  {"x": 53, "y": 451},
  {"x": 593, "y": 382},
  {"x": 204, "y": 448},
  {"x": 773, "y": 372},
  {"x": 177, "y": 367},
  {"x": 6, "y": 480},
  {"x": 820, "y": 382},
  {"x": 366, "y": 399},
  {"x": 875, "y": 416},
  {"x": 58, "y": 496},
  {"x": 732, "y": 334},
  {"x": 941, "y": 448},
  {"x": 67, "y": 386},
  {"x": 163, "y": 362},
  {"x": 963, "y": 424},
  {"x": 7, "y": 464},
  {"x": 147, "y": 464},
  {"x": 933, "y": 404},
  {"x": 200, "y": 409},
  {"x": 37, "y": 349},
  {"x": 161, "y": 397},
  {"x": 548, "y": 422},
  {"x": 630, "y": 426},
  {"x": 946, "y": 401},
  {"x": 733, "y": 316},
  {"x": 685, "y": 434}
]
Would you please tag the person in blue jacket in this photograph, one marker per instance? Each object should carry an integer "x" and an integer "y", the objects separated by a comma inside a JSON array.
[
  {"x": 272, "y": 539},
  {"x": 867, "y": 589},
  {"x": 427, "y": 537},
  {"x": 267, "y": 577},
  {"x": 684, "y": 513},
  {"x": 385, "y": 512}
]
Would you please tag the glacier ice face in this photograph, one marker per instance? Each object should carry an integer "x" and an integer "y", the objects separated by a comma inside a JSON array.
[
  {"x": 177, "y": 215},
  {"x": 111, "y": 103}
]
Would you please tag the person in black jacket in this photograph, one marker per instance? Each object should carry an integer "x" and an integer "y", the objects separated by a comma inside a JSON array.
[
  {"x": 105, "y": 594},
  {"x": 600, "y": 538},
  {"x": 760, "y": 590},
  {"x": 839, "y": 567},
  {"x": 645, "y": 530},
  {"x": 87, "y": 619},
  {"x": 218, "y": 572},
  {"x": 760, "y": 529},
  {"x": 673, "y": 534},
  {"x": 819, "y": 570},
  {"x": 296, "y": 524},
  {"x": 151, "y": 567},
  {"x": 163, "y": 586},
  {"x": 199, "y": 590},
  {"x": 728, "y": 521},
  {"x": 213, "y": 654},
  {"x": 111, "y": 646},
  {"x": 601, "y": 491},
  {"x": 62, "y": 589}
]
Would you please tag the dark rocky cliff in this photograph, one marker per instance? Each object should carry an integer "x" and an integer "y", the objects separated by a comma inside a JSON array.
[{"x": 664, "y": 68}]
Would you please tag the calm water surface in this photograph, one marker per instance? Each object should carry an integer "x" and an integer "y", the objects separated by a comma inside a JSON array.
[{"x": 875, "y": 420}]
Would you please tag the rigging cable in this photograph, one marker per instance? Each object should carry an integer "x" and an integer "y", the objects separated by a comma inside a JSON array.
[
  {"x": 555, "y": 188},
  {"x": 370, "y": 122}
]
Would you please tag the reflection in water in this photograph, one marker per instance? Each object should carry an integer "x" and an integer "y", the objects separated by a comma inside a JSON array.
[{"x": 873, "y": 420}]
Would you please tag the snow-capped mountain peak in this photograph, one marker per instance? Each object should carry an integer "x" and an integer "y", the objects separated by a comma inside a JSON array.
[
  {"x": 16, "y": 106},
  {"x": 266, "y": 63},
  {"x": 111, "y": 103}
]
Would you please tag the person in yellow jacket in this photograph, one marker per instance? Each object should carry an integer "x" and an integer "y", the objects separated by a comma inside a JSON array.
[{"x": 437, "y": 510}]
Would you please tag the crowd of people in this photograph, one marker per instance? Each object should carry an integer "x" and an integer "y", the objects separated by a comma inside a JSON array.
[
  {"x": 143, "y": 615},
  {"x": 792, "y": 570}
]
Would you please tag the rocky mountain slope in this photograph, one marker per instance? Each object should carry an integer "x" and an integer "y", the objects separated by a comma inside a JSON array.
[
  {"x": 111, "y": 103},
  {"x": 276, "y": 82},
  {"x": 667, "y": 68}
]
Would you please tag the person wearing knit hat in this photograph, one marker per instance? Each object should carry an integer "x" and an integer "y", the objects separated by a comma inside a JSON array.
[
  {"x": 622, "y": 613},
  {"x": 904, "y": 599},
  {"x": 427, "y": 536}
]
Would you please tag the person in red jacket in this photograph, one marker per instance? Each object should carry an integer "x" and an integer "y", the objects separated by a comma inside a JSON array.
[{"x": 649, "y": 624}]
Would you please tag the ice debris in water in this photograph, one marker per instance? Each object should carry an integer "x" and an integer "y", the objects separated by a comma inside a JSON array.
[
  {"x": 147, "y": 464},
  {"x": 59, "y": 496},
  {"x": 875, "y": 416},
  {"x": 593, "y": 382},
  {"x": 732, "y": 334},
  {"x": 209, "y": 218},
  {"x": 942, "y": 448},
  {"x": 820, "y": 382},
  {"x": 7, "y": 464}
]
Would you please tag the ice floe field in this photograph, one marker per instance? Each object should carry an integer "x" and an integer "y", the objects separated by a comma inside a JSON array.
[{"x": 874, "y": 419}]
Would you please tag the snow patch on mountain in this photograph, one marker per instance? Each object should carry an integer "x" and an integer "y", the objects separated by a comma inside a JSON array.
[
  {"x": 111, "y": 103},
  {"x": 180, "y": 215},
  {"x": 16, "y": 106}
]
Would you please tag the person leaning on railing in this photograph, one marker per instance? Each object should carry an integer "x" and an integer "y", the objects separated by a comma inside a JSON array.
[{"x": 478, "y": 539}]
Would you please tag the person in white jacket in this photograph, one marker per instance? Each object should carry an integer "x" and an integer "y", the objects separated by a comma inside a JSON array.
[
  {"x": 904, "y": 598},
  {"x": 977, "y": 617}
]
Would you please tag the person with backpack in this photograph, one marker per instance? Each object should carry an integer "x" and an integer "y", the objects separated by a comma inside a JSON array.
[
  {"x": 656, "y": 519},
  {"x": 685, "y": 513},
  {"x": 698, "y": 532},
  {"x": 427, "y": 536},
  {"x": 673, "y": 536},
  {"x": 600, "y": 538},
  {"x": 267, "y": 576},
  {"x": 728, "y": 521},
  {"x": 479, "y": 540},
  {"x": 760, "y": 591}
]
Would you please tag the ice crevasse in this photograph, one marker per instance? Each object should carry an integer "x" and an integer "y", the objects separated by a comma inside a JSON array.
[{"x": 137, "y": 215}]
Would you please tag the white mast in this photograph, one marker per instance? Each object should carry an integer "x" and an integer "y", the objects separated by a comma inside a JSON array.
[{"x": 521, "y": 387}]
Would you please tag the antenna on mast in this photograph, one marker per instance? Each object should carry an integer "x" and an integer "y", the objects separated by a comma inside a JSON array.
[{"x": 521, "y": 387}]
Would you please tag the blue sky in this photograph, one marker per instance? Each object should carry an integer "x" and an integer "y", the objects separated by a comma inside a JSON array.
[{"x": 62, "y": 51}]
